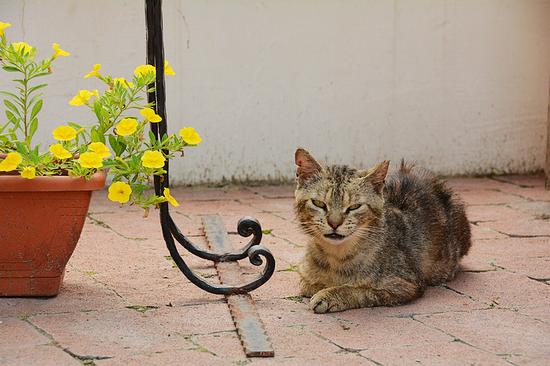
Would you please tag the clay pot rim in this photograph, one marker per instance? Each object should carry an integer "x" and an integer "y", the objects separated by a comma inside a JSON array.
[{"x": 15, "y": 183}]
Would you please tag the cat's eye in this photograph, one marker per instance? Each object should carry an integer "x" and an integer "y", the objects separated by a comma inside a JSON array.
[
  {"x": 319, "y": 204},
  {"x": 353, "y": 207}
]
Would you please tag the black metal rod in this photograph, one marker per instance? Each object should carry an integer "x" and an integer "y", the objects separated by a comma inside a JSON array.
[{"x": 246, "y": 227}]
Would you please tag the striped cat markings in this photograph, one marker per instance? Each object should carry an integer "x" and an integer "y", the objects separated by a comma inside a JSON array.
[{"x": 375, "y": 239}]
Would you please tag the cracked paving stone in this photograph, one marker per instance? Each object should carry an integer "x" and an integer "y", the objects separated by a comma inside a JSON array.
[
  {"x": 498, "y": 331},
  {"x": 493, "y": 312},
  {"x": 122, "y": 332},
  {"x": 453, "y": 353},
  {"x": 501, "y": 288}
]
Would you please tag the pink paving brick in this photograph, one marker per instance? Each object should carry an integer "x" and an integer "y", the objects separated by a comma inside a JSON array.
[
  {"x": 123, "y": 302},
  {"x": 498, "y": 331},
  {"x": 453, "y": 353}
]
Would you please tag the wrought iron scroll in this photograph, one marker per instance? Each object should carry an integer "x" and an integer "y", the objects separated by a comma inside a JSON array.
[{"x": 246, "y": 227}]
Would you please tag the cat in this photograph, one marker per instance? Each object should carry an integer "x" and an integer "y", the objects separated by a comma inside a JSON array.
[{"x": 375, "y": 241}]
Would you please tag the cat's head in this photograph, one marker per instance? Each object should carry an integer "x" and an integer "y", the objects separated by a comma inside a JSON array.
[{"x": 337, "y": 203}]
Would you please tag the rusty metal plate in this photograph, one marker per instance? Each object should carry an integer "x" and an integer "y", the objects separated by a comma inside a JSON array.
[{"x": 247, "y": 321}]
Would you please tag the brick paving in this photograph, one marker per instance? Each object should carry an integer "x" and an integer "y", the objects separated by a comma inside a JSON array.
[{"x": 123, "y": 303}]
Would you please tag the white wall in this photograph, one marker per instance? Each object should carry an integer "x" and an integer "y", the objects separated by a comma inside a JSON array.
[{"x": 460, "y": 86}]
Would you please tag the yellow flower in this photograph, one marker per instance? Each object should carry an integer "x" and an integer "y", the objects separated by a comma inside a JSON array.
[
  {"x": 168, "y": 69},
  {"x": 90, "y": 160},
  {"x": 60, "y": 152},
  {"x": 150, "y": 115},
  {"x": 57, "y": 51},
  {"x": 170, "y": 198},
  {"x": 10, "y": 162},
  {"x": 123, "y": 82},
  {"x": 94, "y": 72},
  {"x": 126, "y": 126},
  {"x": 64, "y": 133},
  {"x": 29, "y": 172},
  {"x": 3, "y": 27},
  {"x": 22, "y": 46},
  {"x": 143, "y": 70},
  {"x": 152, "y": 159},
  {"x": 119, "y": 192},
  {"x": 83, "y": 97},
  {"x": 100, "y": 149},
  {"x": 190, "y": 136}
]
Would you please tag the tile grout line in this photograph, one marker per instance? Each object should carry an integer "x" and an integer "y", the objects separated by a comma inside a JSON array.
[{"x": 85, "y": 360}]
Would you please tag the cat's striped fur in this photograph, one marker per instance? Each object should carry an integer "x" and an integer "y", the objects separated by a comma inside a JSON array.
[{"x": 375, "y": 241}]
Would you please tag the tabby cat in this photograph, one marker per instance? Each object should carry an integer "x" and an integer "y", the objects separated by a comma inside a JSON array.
[{"x": 375, "y": 241}]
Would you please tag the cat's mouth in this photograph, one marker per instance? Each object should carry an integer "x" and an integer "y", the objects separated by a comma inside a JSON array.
[{"x": 334, "y": 236}]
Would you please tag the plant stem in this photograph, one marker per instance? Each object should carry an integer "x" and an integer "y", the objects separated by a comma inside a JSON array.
[{"x": 25, "y": 107}]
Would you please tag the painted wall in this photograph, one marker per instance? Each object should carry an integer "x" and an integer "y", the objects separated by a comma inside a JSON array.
[{"x": 460, "y": 86}]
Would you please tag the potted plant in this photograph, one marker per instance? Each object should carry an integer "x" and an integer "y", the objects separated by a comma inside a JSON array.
[{"x": 44, "y": 195}]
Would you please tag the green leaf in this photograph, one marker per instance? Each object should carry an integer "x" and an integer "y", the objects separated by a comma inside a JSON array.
[
  {"x": 11, "y": 69},
  {"x": 12, "y": 118},
  {"x": 35, "y": 88},
  {"x": 21, "y": 148},
  {"x": 10, "y": 95},
  {"x": 12, "y": 107},
  {"x": 36, "y": 108},
  {"x": 97, "y": 111},
  {"x": 117, "y": 148},
  {"x": 32, "y": 128},
  {"x": 34, "y": 99},
  {"x": 38, "y": 75}
]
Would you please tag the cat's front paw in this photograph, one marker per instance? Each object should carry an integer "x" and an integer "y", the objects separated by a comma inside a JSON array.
[{"x": 324, "y": 301}]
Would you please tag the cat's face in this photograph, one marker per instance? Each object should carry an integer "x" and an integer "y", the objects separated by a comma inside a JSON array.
[{"x": 337, "y": 203}]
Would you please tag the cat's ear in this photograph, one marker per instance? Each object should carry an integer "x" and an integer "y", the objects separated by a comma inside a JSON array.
[
  {"x": 376, "y": 175},
  {"x": 307, "y": 166}
]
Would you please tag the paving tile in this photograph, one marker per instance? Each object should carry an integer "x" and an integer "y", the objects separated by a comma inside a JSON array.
[
  {"x": 526, "y": 181},
  {"x": 474, "y": 263},
  {"x": 225, "y": 345},
  {"x": 535, "y": 268},
  {"x": 518, "y": 227},
  {"x": 538, "y": 210},
  {"x": 123, "y": 299},
  {"x": 487, "y": 197},
  {"x": 201, "y": 193},
  {"x": 282, "y": 206},
  {"x": 451, "y": 353},
  {"x": 282, "y": 284},
  {"x": 16, "y": 333},
  {"x": 185, "y": 356},
  {"x": 354, "y": 329},
  {"x": 43, "y": 355},
  {"x": 498, "y": 331},
  {"x": 473, "y": 184},
  {"x": 282, "y": 191},
  {"x": 513, "y": 248},
  {"x": 501, "y": 288},
  {"x": 541, "y": 313},
  {"x": 483, "y": 233},
  {"x": 483, "y": 213},
  {"x": 127, "y": 331},
  {"x": 379, "y": 331},
  {"x": 79, "y": 293},
  {"x": 527, "y": 187}
]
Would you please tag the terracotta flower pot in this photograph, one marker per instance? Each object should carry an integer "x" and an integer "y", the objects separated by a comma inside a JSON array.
[{"x": 40, "y": 223}]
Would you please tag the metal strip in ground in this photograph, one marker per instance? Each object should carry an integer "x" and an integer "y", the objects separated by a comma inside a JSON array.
[{"x": 247, "y": 321}]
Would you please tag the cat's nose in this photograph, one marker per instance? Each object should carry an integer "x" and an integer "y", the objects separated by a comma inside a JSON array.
[{"x": 335, "y": 219}]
